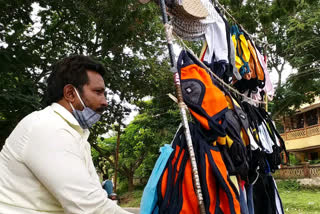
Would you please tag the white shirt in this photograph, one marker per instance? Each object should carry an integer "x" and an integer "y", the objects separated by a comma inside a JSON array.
[
  {"x": 46, "y": 167},
  {"x": 265, "y": 138},
  {"x": 216, "y": 37}
]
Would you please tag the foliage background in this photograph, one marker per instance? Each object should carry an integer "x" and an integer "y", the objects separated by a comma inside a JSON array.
[{"x": 127, "y": 37}]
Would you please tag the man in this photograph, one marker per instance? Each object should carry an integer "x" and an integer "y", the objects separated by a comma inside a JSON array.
[
  {"x": 107, "y": 185},
  {"x": 46, "y": 164}
]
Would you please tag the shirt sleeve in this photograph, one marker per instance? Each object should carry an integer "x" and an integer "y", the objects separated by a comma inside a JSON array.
[{"x": 55, "y": 158}]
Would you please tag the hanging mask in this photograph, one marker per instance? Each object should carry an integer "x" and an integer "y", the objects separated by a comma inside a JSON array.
[{"x": 87, "y": 117}]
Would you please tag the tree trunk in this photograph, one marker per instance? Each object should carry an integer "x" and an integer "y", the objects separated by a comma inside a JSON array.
[
  {"x": 280, "y": 73},
  {"x": 130, "y": 182},
  {"x": 279, "y": 80},
  {"x": 116, "y": 161}
]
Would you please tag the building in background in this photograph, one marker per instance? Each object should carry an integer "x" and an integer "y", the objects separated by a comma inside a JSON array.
[{"x": 301, "y": 132}]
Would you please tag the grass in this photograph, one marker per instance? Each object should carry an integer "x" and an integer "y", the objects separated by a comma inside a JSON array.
[
  {"x": 299, "y": 200},
  {"x": 295, "y": 198},
  {"x": 131, "y": 199}
]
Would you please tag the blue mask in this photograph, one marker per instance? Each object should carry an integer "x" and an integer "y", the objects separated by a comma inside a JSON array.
[{"x": 87, "y": 117}]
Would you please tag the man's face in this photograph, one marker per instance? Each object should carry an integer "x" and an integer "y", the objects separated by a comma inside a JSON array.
[{"x": 93, "y": 93}]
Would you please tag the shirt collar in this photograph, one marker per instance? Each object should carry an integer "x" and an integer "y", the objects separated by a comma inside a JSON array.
[{"x": 69, "y": 118}]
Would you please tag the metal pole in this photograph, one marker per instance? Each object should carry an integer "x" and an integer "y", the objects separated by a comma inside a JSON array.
[{"x": 183, "y": 113}]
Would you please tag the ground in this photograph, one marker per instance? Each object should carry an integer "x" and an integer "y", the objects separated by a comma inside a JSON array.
[
  {"x": 131, "y": 199},
  {"x": 300, "y": 199},
  {"x": 296, "y": 199},
  {"x": 133, "y": 210}
]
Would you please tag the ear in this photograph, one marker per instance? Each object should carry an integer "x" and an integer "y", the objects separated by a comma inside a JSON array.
[{"x": 69, "y": 93}]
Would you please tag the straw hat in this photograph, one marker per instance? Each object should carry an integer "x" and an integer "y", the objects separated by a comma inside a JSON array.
[
  {"x": 187, "y": 17},
  {"x": 189, "y": 9},
  {"x": 188, "y": 29},
  {"x": 212, "y": 13}
]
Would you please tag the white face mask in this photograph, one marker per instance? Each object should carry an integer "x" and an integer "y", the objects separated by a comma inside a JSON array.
[{"x": 87, "y": 117}]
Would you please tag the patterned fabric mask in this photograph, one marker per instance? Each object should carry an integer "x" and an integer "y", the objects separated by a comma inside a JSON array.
[{"x": 87, "y": 117}]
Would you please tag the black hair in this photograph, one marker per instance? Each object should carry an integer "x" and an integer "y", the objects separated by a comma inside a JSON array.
[
  {"x": 105, "y": 177},
  {"x": 70, "y": 70}
]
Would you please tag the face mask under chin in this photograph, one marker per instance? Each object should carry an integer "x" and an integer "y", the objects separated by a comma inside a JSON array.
[{"x": 86, "y": 117}]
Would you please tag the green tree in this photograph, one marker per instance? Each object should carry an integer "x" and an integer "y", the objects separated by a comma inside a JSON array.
[
  {"x": 303, "y": 54},
  {"x": 142, "y": 138},
  {"x": 125, "y": 35},
  {"x": 292, "y": 31},
  {"x": 18, "y": 90}
]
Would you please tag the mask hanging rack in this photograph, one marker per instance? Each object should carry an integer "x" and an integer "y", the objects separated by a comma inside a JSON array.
[{"x": 182, "y": 108}]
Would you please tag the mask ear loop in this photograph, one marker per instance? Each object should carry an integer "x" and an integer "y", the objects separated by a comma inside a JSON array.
[
  {"x": 79, "y": 97},
  {"x": 71, "y": 106}
]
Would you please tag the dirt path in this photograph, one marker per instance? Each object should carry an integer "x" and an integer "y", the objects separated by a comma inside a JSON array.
[
  {"x": 134, "y": 210},
  {"x": 310, "y": 181}
]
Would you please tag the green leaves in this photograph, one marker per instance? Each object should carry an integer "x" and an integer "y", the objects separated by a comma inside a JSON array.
[
  {"x": 141, "y": 139},
  {"x": 292, "y": 31},
  {"x": 302, "y": 52},
  {"x": 125, "y": 36}
]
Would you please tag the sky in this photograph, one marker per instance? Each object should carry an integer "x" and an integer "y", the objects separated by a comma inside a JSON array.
[
  {"x": 285, "y": 74},
  {"x": 273, "y": 75}
]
